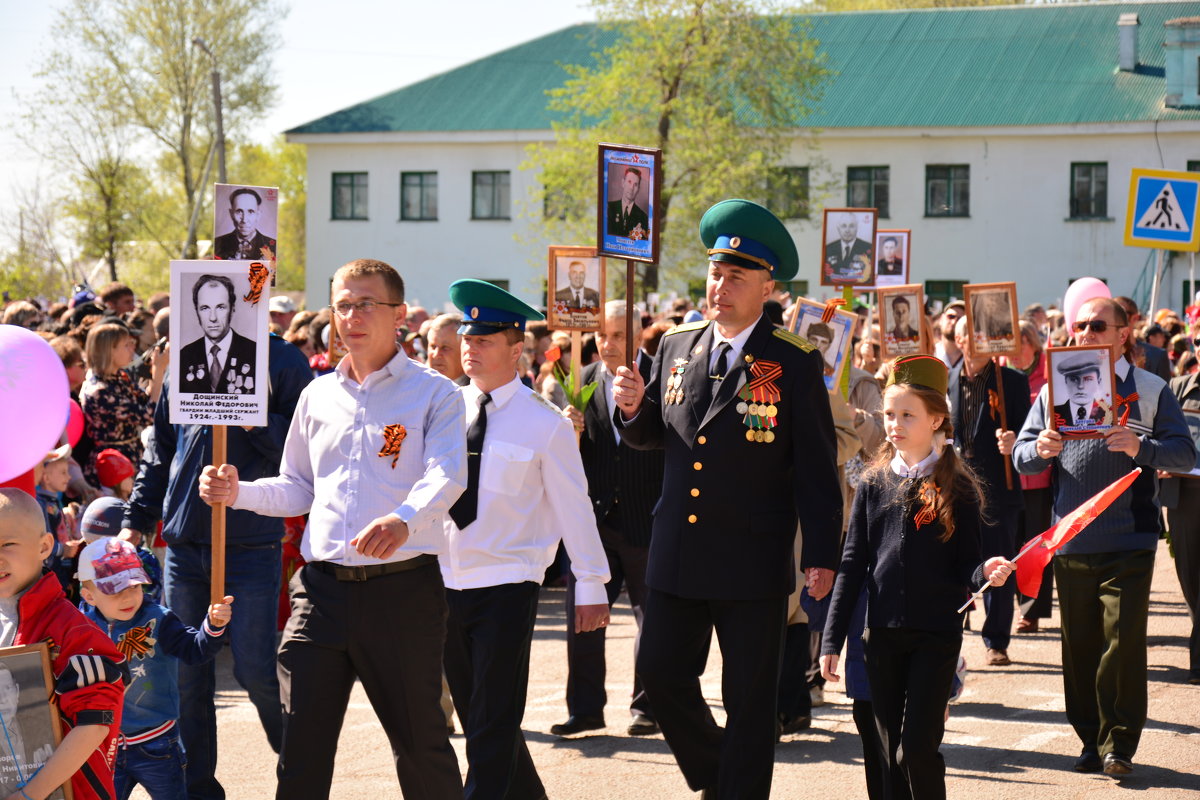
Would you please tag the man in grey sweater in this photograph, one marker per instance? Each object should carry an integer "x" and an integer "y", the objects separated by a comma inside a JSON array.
[{"x": 1104, "y": 574}]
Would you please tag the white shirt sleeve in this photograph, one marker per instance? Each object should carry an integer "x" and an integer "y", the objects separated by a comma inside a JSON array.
[
  {"x": 571, "y": 513},
  {"x": 290, "y": 494},
  {"x": 445, "y": 476}
]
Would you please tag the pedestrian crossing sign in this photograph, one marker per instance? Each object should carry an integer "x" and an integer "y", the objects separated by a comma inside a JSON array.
[{"x": 1162, "y": 209}]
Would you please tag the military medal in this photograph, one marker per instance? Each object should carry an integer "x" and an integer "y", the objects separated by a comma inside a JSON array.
[
  {"x": 674, "y": 395},
  {"x": 759, "y": 400}
]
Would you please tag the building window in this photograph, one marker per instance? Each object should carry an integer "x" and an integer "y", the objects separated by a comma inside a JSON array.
[
  {"x": 1193, "y": 166},
  {"x": 867, "y": 187},
  {"x": 787, "y": 192},
  {"x": 948, "y": 190},
  {"x": 1089, "y": 191},
  {"x": 489, "y": 195},
  {"x": 796, "y": 289},
  {"x": 945, "y": 291},
  {"x": 349, "y": 195},
  {"x": 418, "y": 195}
]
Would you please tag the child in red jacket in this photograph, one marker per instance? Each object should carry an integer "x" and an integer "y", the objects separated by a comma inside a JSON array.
[{"x": 87, "y": 669}]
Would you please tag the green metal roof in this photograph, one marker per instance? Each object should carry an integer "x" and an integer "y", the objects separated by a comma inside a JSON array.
[{"x": 971, "y": 67}]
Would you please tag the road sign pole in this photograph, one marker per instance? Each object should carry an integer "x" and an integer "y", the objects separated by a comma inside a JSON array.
[{"x": 1158, "y": 268}]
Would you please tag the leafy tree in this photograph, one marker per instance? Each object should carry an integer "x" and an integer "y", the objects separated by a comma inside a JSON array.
[{"x": 721, "y": 86}]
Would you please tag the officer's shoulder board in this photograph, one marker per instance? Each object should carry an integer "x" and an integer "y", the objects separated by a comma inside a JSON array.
[
  {"x": 688, "y": 326},
  {"x": 546, "y": 403},
  {"x": 793, "y": 339}
]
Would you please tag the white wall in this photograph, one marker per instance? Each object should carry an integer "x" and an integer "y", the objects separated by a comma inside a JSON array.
[{"x": 1018, "y": 228}]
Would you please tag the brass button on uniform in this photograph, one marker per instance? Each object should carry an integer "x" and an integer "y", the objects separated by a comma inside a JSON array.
[
  {"x": 695, "y": 493},
  {"x": 697, "y": 466},
  {"x": 691, "y": 518},
  {"x": 702, "y": 440}
]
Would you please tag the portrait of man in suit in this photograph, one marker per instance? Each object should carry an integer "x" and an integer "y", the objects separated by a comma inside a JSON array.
[
  {"x": 1083, "y": 377},
  {"x": 902, "y": 327},
  {"x": 576, "y": 294},
  {"x": 625, "y": 216},
  {"x": 245, "y": 241},
  {"x": 221, "y": 361},
  {"x": 848, "y": 257},
  {"x": 890, "y": 262}
]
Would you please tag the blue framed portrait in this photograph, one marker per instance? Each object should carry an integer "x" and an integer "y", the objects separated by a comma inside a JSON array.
[{"x": 629, "y": 182}]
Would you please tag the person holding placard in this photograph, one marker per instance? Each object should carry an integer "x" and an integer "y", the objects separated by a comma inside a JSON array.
[
  {"x": 375, "y": 455},
  {"x": 1181, "y": 498},
  {"x": 1104, "y": 576}
]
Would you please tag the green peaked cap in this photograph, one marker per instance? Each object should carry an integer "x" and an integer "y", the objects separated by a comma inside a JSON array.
[
  {"x": 489, "y": 309},
  {"x": 744, "y": 233}
]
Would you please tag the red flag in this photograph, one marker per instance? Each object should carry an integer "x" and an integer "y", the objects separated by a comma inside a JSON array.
[{"x": 1037, "y": 552}]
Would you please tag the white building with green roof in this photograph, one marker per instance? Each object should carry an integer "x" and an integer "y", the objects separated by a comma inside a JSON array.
[{"x": 1002, "y": 137}]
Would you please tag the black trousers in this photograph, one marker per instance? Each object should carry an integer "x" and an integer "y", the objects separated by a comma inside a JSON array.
[
  {"x": 388, "y": 632},
  {"x": 999, "y": 539},
  {"x": 586, "y": 668},
  {"x": 911, "y": 673},
  {"x": 1104, "y": 601},
  {"x": 488, "y": 637},
  {"x": 1184, "y": 522},
  {"x": 794, "y": 698},
  {"x": 737, "y": 761},
  {"x": 1039, "y": 505},
  {"x": 874, "y": 761}
]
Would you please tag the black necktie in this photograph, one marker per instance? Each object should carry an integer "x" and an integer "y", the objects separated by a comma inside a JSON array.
[
  {"x": 1079, "y": 413},
  {"x": 467, "y": 506},
  {"x": 718, "y": 371},
  {"x": 214, "y": 369}
]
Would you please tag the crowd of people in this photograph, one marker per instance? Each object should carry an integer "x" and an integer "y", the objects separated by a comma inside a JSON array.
[{"x": 439, "y": 470}]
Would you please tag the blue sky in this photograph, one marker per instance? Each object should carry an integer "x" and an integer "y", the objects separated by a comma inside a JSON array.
[{"x": 333, "y": 54}]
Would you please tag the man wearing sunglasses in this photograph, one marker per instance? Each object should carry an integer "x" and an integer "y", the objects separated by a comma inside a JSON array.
[{"x": 1103, "y": 576}]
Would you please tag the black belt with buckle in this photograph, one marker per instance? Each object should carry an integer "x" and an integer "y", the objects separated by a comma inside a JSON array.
[{"x": 365, "y": 573}]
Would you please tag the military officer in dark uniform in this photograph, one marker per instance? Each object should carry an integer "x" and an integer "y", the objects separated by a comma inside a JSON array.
[{"x": 740, "y": 408}]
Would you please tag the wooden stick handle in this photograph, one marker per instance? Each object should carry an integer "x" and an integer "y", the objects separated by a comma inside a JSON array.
[
  {"x": 217, "y": 585},
  {"x": 1008, "y": 476},
  {"x": 631, "y": 344}
]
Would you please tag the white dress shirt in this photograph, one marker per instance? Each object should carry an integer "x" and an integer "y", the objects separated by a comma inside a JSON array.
[
  {"x": 736, "y": 345},
  {"x": 332, "y": 468},
  {"x": 532, "y": 493}
]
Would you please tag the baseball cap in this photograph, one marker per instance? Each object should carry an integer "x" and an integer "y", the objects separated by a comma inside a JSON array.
[
  {"x": 112, "y": 565},
  {"x": 103, "y": 518},
  {"x": 281, "y": 304},
  {"x": 112, "y": 467}
]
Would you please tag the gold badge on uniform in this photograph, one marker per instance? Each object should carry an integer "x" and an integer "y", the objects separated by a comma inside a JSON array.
[
  {"x": 674, "y": 391},
  {"x": 759, "y": 401}
]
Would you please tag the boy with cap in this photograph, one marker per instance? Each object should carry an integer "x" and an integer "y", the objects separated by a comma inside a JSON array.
[
  {"x": 103, "y": 518},
  {"x": 741, "y": 409},
  {"x": 115, "y": 472},
  {"x": 152, "y": 639},
  {"x": 526, "y": 491},
  {"x": 87, "y": 669}
]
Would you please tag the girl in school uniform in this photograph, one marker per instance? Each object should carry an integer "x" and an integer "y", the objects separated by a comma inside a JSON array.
[{"x": 914, "y": 543}]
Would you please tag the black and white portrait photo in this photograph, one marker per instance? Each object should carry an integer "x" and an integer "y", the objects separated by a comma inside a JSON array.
[
  {"x": 27, "y": 732},
  {"x": 245, "y": 222},
  {"x": 1081, "y": 389},
  {"x": 848, "y": 247},
  {"x": 892, "y": 250},
  {"x": 576, "y": 288},
  {"x": 992, "y": 318},
  {"x": 901, "y": 310},
  {"x": 832, "y": 338},
  {"x": 219, "y": 336}
]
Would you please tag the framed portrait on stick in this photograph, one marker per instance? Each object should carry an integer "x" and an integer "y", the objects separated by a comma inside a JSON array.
[
  {"x": 575, "y": 289},
  {"x": 902, "y": 321},
  {"x": 245, "y": 222},
  {"x": 992, "y": 318},
  {"x": 893, "y": 248},
  {"x": 1081, "y": 386},
  {"x": 629, "y": 184},
  {"x": 31, "y": 725},
  {"x": 848, "y": 246},
  {"x": 219, "y": 334},
  {"x": 831, "y": 337}
]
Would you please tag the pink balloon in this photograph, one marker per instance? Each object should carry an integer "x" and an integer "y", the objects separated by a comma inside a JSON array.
[
  {"x": 1079, "y": 292},
  {"x": 74, "y": 423},
  {"x": 33, "y": 399}
]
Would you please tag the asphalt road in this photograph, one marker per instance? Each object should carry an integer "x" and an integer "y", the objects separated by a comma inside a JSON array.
[{"x": 1007, "y": 736}]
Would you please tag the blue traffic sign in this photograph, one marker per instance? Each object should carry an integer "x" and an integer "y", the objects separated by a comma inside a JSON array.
[{"x": 1162, "y": 210}]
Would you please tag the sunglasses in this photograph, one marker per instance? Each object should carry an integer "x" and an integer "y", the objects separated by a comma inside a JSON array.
[{"x": 1097, "y": 326}]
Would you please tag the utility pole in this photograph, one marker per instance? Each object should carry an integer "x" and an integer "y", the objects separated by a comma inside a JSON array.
[{"x": 216, "y": 90}]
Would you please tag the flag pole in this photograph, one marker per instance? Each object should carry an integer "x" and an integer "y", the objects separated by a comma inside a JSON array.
[{"x": 1032, "y": 543}]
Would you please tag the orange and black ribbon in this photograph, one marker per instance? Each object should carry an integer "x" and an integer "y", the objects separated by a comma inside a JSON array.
[
  {"x": 136, "y": 642},
  {"x": 393, "y": 437},
  {"x": 760, "y": 397},
  {"x": 258, "y": 280},
  {"x": 831, "y": 306},
  {"x": 1127, "y": 402},
  {"x": 994, "y": 404},
  {"x": 928, "y": 511}
]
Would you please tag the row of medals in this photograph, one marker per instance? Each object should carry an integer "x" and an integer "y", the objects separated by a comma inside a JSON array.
[{"x": 758, "y": 410}]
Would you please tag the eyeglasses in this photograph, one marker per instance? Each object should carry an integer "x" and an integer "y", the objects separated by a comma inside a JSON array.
[
  {"x": 364, "y": 307},
  {"x": 1097, "y": 325}
]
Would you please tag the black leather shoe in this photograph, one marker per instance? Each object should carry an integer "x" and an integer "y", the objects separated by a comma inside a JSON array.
[
  {"x": 577, "y": 725},
  {"x": 1088, "y": 761},
  {"x": 1116, "y": 765},
  {"x": 795, "y": 725},
  {"x": 642, "y": 726}
]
